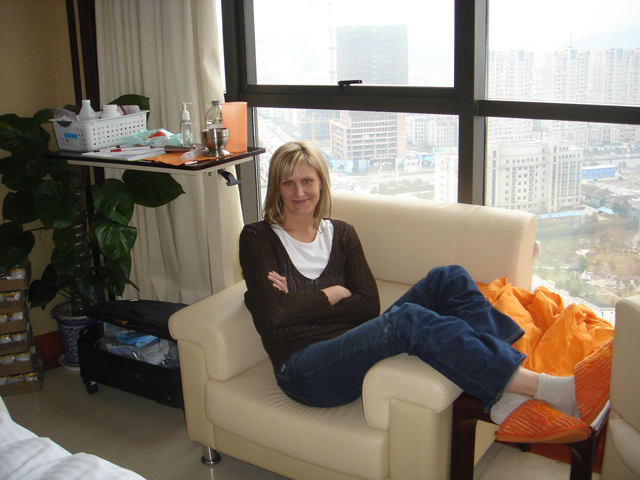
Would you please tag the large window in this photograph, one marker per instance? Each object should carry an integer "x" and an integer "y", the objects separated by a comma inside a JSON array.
[
  {"x": 586, "y": 52},
  {"x": 384, "y": 153},
  {"x": 542, "y": 99},
  {"x": 321, "y": 42},
  {"x": 579, "y": 178}
]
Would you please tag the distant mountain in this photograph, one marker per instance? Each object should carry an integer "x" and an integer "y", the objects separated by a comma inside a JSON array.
[{"x": 602, "y": 41}]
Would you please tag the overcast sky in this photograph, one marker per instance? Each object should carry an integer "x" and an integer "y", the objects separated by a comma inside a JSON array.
[
  {"x": 544, "y": 24},
  {"x": 294, "y": 36},
  {"x": 530, "y": 25}
]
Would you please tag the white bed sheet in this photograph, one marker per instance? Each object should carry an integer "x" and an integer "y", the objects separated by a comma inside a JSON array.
[{"x": 25, "y": 456}]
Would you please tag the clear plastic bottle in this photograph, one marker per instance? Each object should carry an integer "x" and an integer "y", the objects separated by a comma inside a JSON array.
[
  {"x": 186, "y": 129},
  {"x": 213, "y": 118},
  {"x": 86, "y": 112}
]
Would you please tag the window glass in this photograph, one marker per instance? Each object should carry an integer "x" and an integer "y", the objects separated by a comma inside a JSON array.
[
  {"x": 380, "y": 153},
  {"x": 582, "y": 180},
  {"x": 318, "y": 42},
  {"x": 565, "y": 51}
]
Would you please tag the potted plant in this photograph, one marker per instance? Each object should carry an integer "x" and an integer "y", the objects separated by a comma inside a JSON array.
[{"x": 90, "y": 224}]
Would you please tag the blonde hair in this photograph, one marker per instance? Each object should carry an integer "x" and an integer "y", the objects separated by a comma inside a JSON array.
[{"x": 283, "y": 163}]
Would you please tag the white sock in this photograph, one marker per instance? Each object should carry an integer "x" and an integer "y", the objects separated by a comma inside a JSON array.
[
  {"x": 559, "y": 392},
  {"x": 507, "y": 404}
]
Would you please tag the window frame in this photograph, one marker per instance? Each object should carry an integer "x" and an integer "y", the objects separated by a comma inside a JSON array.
[{"x": 467, "y": 98}]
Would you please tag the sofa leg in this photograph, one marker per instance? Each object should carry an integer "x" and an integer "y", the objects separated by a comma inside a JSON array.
[{"x": 209, "y": 456}]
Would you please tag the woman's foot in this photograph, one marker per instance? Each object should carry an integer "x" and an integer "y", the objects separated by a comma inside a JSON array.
[
  {"x": 585, "y": 394},
  {"x": 559, "y": 392},
  {"x": 505, "y": 406}
]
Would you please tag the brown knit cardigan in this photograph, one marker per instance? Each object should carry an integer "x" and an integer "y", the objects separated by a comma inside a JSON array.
[{"x": 288, "y": 322}]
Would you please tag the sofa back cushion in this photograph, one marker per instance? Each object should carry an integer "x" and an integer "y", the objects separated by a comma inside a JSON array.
[{"x": 405, "y": 238}]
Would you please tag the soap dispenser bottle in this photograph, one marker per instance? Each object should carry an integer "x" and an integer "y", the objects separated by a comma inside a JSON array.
[{"x": 186, "y": 129}]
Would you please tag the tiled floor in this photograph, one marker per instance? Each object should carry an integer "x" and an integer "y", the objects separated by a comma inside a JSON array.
[{"x": 151, "y": 439}]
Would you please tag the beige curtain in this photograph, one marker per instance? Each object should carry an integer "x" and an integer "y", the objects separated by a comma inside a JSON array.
[{"x": 168, "y": 51}]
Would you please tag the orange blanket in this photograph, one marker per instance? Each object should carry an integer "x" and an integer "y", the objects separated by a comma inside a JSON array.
[{"x": 556, "y": 337}]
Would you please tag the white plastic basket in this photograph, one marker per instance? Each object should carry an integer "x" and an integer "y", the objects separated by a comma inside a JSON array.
[{"x": 97, "y": 134}]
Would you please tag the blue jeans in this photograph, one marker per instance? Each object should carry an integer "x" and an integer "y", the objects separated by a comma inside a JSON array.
[{"x": 443, "y": 319}]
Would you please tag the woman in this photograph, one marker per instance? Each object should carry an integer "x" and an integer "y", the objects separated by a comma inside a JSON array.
[{"x": 315, "y": 304}]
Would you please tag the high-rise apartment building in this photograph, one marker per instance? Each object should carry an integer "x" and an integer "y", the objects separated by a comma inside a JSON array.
[
  {"x": 366, "y": 138},
  {"x": 535, "y": 176},
  {"x": 565, "y": 76},
  {"x": 375, "y": 54},
  {"x": 615, "y": 76},
  {"x": 510, "y": 74},
  {"x": 435, "y": 131},
  {"x": 445, "y": 177},
  {"x": 510, "y": 77}
]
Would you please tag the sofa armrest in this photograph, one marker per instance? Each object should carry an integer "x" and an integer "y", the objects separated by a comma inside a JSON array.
[
  {"x": 625, "y": 376},
  {"x": 408, "y": 379},
  {"x": 223, "y": 327}
]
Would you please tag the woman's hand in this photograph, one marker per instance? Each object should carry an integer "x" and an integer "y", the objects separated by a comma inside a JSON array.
[
  {"x": 278, "y": 281},
  {"x": 335, "y": 293}
]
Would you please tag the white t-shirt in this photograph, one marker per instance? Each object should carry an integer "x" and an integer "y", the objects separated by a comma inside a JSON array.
[{"x": 309, "y": 258}]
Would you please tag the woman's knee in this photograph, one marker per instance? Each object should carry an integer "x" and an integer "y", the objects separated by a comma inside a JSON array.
[{"x": 445, "y": 273}]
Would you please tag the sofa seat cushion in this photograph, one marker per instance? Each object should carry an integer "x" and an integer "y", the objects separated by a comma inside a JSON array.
[
  {"x": 252, "y": 406},
  {"x": 390, "y": 292},
  {"x": 626, "y": 441}
]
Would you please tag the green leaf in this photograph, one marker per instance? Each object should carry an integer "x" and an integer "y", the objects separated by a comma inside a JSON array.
[
  {"x": 41, "y": 292},
  {"x": 22, "y": 136},
  {"x": 91, "y": 288},
  {"x": 56, "y": 207},
  {"x": 125, "y": 265},
  {"x": 114, "y": 240},
  {"x": 113, "y": 200},
  {"x": 58, "y": 169},
  {"x": 8, "y": 163},
  {"x": 114, "y": 278},
  {"x": 65, "y": 261},
  {"x": 132, "y": 99},
  {"x": 25, "y": 176},
  {"x": 18, "y": 207},
  {"x": 152, "y": 189},
  {"x": 15, "y": 245},
  {"x": 44, "y": 115},
  {"x": 51, "y": 275},
  {"x": 64, "y": 238}
]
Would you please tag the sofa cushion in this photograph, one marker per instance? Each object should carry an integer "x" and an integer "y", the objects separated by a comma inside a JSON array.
[
  {"x": 253, "y": 407},
  {"x": 390, "y": 292},
  {"x": 626, "y": 441},
  {"x": 405, "y": 238}
]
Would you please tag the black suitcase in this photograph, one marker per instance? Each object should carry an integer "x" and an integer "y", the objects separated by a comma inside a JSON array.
[
  {"x": 98, "y": 366},
  {"x": 146, "y": 316}
]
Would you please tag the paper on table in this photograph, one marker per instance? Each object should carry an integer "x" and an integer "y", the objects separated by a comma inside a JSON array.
[
  {"x": 176, "y": 159},
  {"x": 137, "y": 153}
]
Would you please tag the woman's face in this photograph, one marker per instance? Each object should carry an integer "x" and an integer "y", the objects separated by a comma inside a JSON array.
[{"x": 300, "y": 193}]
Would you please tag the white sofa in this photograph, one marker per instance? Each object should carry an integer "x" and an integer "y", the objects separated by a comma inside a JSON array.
[
  {"x": 622, "y": 447},
  {"x": 400, "y": 429}
]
